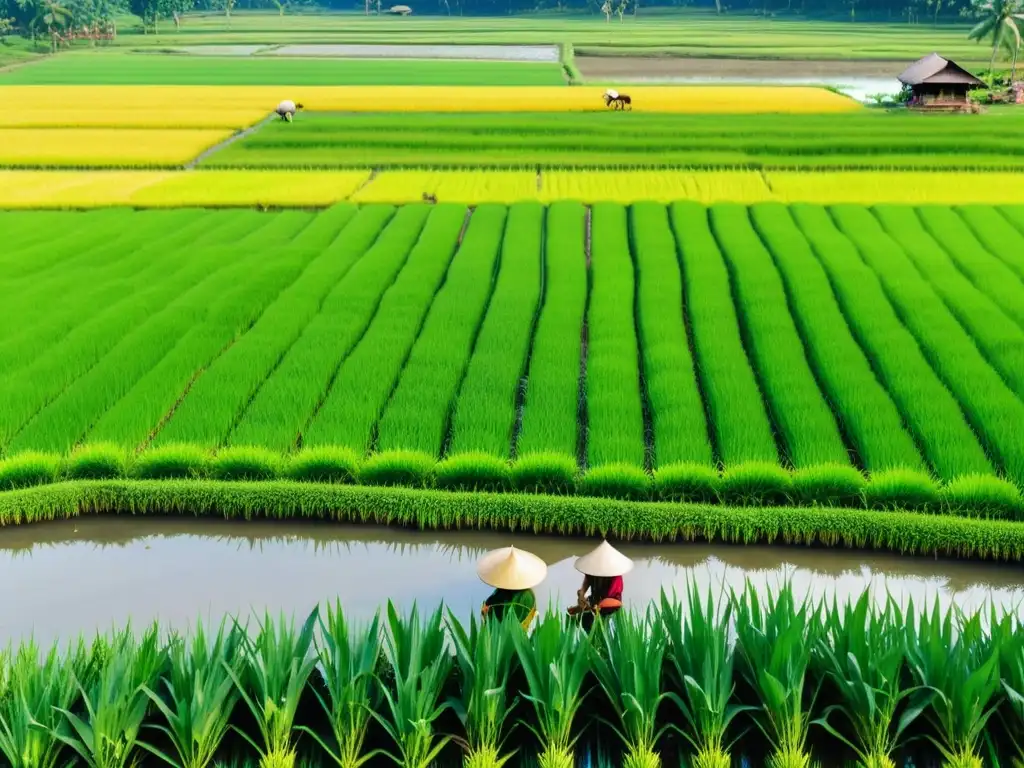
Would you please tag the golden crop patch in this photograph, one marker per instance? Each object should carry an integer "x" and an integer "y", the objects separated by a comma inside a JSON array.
[
  {"x": 251, "y": 188},
  {"x": 658, "y": 186},
  {"x": 454, "y": 186},
  {"x": 915, "y": 187},
  {"x": 60, "y": 147}
]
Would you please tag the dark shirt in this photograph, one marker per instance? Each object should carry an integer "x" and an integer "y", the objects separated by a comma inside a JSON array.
[{"x": 519, "y": 601}]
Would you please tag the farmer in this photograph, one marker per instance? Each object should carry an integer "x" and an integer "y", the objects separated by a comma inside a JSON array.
[
  {"x": 513, "y": 573},
  {"x": 602, "y": 569},
  {"x": 286, "y": 109}
]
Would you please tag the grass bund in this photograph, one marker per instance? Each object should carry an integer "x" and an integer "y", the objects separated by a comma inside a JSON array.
[{"x": 699, "y": 679}]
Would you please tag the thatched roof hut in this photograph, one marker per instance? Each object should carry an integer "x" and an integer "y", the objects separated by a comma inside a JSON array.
[{"x": 936, "y": 81}]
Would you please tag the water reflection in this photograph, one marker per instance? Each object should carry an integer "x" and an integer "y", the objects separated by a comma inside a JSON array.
[{"x": 60, "y": 579}]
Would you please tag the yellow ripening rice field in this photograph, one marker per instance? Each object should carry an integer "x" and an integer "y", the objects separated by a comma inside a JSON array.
[
  {"x": 73, "y": 189},
  {"x": 257, "y": 101},
  {"x": 869, "y": 187},
  {"x": 251, "y": 188},
  {"x": 131, "y": 117},
  {"x": 658, "y": 186},
  {"x": 104, "y": 147},
  {"x": 455, "y": 186}
]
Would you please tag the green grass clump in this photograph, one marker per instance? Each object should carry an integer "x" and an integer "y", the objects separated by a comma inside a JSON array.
[
  {"x": 101, "y": 461},
  {"x": 245, "y": 462},
  {"x": 408, "y": 468},
  {"x": 685, "y": 481},
  {"x": 617, "y": 481},
  {"x": 29, "y": 468},
  {"x": 544, "y": 472},
  {"x": 329, "y": 464},
  {"x": 982, "y": 496},
  {"x": 829, "y": 485},
  {"x": 172, "y": 462},
  {"x": 756, "y": 483},
  {"x": 901, "y": 489},
  {"x": 472, "y": 472}
]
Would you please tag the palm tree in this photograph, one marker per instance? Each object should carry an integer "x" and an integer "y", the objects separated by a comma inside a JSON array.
[{"x": 1000, "y": 23}]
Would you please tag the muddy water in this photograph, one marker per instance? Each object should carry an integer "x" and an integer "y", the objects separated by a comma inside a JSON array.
[{"x": 61, "y": 579}]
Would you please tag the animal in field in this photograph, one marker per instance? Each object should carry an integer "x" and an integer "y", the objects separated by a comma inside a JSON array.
[{"x": 617, "y": 100}]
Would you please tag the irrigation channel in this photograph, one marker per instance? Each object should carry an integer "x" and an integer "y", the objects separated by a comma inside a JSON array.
[{"x": 58, "y": 580}]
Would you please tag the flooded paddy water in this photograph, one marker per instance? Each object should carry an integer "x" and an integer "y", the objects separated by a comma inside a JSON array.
[
  {"x": 547, "y": 54},
  {"x": 61, "y": 579}
]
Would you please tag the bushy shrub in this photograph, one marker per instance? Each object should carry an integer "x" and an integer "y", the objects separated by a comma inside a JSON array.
[
  {"x": 685, "y": 481},
  {"x": 101, "y": 461},
  {"x": 982, "y": 496},
  {"x": 901, "y": 489},
  {"x": 29, "y": 468},
  {"x": 409, "y": 468},
  {"x": 829, "y": 485},
  {"x": 617, "y": 481},
  {"x": 553, "y": 473},
  {"x": 245, "y": 462},
  {"x": 756, "y": 483},
  {"x": 169, "y": 462},
  {"x": 328, "y": 464},
  {"x": 472, "y": 472}
]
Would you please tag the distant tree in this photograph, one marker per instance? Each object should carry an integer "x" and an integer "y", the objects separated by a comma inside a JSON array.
[
  {"x": 606, "y": 9},
  {"x": 620, "y": 8},
  {"x": 1000, "y": 22}
]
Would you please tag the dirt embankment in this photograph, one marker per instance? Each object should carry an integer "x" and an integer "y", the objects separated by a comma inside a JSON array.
[{"x": 639, "y": 67}]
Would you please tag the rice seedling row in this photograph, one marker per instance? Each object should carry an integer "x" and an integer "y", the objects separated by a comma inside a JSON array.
[
  {"x": 865, "y": 409},
  {"x": 807, "y": 425},
  {"x": 417, "y": 416},
  {"x": 928, "y": 408},
  {"x": 369, "y": 374},
  {"x": 997, "y": 234},
  {"x": 485, "y": 410}
]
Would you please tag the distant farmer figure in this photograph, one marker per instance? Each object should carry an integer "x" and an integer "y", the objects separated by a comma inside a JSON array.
[
  {"x": 286, "y": 109},
  {"x": 617, "y": 100}
]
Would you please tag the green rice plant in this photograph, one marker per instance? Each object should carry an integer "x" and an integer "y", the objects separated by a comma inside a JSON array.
[
  {"x": 99, "y": 461},
  {"x": 701, "y": 664},
  {"x": 419, "y": 665},
  {"x": 829, "y": 485},
  {"x": 472, "y": 472},
  {"x": 408, "y": 468},
  {"x": 545, "y": 472},
  {"x": 616, "y": 481},
  {"x": 366, "y": 257},
  {"x": 775, "y": 636},
  {"x": 245, "y": 462},
  {"x": 805, "y": 420},
  {"x": 1010, "y": 640},
  {"x": 555, "y": 666},
  {"x": 198, "y": 696},
  {"x": 739, "y": 421},
  {"x": 103, "y": 730},
  {"x": 982, "y": 496},
  {"x": 615, "y": 421},
  {"x": 862, "y": 651},
  {"x": 485, "y": 411},
  {"x": 35, "y": 690},
  {"x": 930, "y": 411},
  {"x": 628, "y": 663},
  {"x": 996, "y": 233},
  {"x": 485, "y": 657},
  {"x": 177, "y": 461},
  {"x": 901, "y": 489},
  {"x": 27, "y": 469},
  {"x": 756, "y": 484},
  {"x": 407, "y": 271},
  {"x": 275, "y": 669},
  {"x": 864, "y": 409},
  {"x": 417, "y": 415},
  {"x": 326, "y": 464},
  {"x": 348, "y": 662},
  {"x": 685, "y": 481},
  {"x": 953, "y": 656},
  {"x": 549, "y": 423},
  {"x": 677, "y": 411}
]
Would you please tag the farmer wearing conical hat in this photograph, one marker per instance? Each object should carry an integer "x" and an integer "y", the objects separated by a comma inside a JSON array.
[
  {"x": 286, "y": 109},
  {"x": 513, "y": 573},
  {"x": 602, "y": 569}
]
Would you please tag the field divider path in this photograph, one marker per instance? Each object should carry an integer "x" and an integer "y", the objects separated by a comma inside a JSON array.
[
  {"x": 810, "y": 431},
  {"x": 222, "y": 145},
  {"x": 998, "y": 337},
  {"x": 615, "y": 432},
  {"x": 418, "y": 413},
  {"x": 484, "y": 415},
  {"x": 996, "y": 233},
  {"x": 675, "y": 416},
  {"x": 738, "y": 416},
  {"x": 368, "y": 375},
  {"x": 867, "y": 416},
  {"x": 552, "y": 392}
]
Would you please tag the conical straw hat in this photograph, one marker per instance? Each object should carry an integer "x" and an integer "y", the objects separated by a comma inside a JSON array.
[
  {"x": 511, "y": 568},
  {"x": 604, "y": 561}
]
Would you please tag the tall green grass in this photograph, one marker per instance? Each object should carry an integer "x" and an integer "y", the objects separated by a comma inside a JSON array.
[{"x": 997, "y": 234}]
